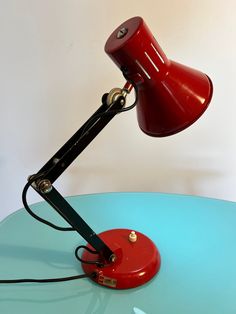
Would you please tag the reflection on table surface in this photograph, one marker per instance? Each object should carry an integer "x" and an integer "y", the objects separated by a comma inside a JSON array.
[{"x": 195, "y": 236}]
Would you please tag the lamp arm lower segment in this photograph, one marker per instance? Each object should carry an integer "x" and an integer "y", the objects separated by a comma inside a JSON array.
[
  {"x": 59, "y": 203},
  {"x": 62, "y": 159}
]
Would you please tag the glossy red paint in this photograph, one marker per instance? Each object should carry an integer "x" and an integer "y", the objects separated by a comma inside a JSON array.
[
  {"x": 136, "y": 262},
  {"x": 171, "y": 96}
]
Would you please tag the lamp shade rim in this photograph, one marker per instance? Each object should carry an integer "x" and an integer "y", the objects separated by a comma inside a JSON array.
[{"x": 166, "y": 133}]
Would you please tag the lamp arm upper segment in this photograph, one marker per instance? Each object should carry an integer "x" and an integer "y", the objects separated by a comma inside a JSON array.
[{"x": 63, "y": 158}]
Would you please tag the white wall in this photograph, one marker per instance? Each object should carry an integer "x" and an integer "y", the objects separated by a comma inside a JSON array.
[{"x": 53, "y": 72}]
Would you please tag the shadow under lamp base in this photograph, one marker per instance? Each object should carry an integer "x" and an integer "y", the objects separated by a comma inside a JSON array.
[{"x": 137, "y": 260}]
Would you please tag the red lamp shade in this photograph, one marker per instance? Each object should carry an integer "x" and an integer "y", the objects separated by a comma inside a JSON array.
[{"x": 170, "y": 95}]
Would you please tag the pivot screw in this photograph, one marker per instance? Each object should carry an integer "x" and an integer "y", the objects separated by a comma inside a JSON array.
[
  {"x": 45, "y": 186},
  {"x": 122, "y": 32},
  {"x": 113, "y": 258}
]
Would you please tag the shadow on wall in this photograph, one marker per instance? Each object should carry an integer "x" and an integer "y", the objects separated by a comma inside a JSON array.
[
  {"x": 184, "y": 180},
  {"x": 192, "y": 181}
]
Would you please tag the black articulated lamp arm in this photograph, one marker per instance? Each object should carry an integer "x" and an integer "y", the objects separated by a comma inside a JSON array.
[{"x": 43, "y": 180}]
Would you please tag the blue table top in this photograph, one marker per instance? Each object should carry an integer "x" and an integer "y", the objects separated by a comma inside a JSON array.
[{"x": 195, "y": 236}]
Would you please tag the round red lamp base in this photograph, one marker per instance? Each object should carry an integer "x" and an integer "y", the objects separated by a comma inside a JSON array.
[{"x": 137, "y": 260}]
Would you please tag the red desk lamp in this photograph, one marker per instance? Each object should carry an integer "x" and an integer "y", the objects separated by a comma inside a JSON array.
[{"x": 169, "y": 98}]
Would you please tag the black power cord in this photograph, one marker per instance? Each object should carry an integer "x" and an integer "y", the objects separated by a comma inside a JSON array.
[
  {"x": 31, "y": 180},
  {"x": 7, "y": 281}
]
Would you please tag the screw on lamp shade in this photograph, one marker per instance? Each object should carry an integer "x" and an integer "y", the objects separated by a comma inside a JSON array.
[{"x": 171, "y": 96}]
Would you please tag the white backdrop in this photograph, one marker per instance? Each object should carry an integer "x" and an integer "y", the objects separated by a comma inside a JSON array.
[{"x": 53, "y": 72}]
